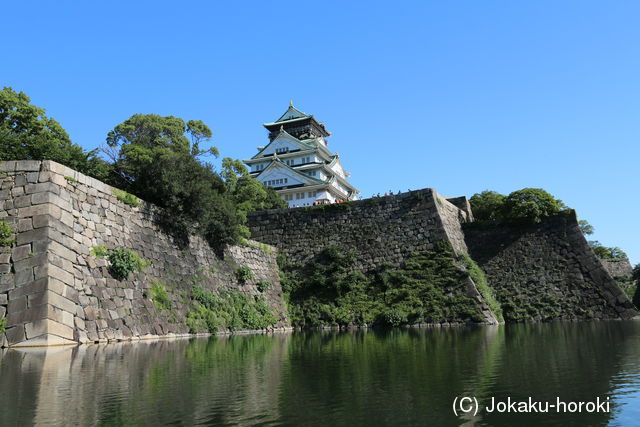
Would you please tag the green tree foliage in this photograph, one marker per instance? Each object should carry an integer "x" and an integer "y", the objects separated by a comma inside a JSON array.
[
  {"x": 487, "y": 205},
  {"x": 528, "y": 204},
  {"x": 26, "y": 133},
  {"x": 156, "y": 158},
  {"x": 607, "y": 253},
  {"x": 585, "y": 227},
  {"x": 248, "y": 193},
  {"x": 159, "y": 160},
  {"x": 531, "y": 204}
]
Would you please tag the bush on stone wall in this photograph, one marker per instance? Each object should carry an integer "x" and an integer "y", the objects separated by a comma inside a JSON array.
[
  {"x": 5, "y": 234},
  {"x": 263, "y": 285},
  {"x": 233, "y": 310},
  {"x": 126, "y": 198},
  {"x": 122, "y": 261},
  {"x": 160, "y": 296},
  {"x": 429, "y": 287},
  {"x": 3, "y": 322},
  {"x": 480, "y": 280},
  {"x": 243, "y": 273}
]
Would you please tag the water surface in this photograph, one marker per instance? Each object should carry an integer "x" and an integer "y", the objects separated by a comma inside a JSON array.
[{"x": 391, "y": 377}]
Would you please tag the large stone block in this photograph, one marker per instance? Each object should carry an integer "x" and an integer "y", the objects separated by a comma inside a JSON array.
[
  {"x": 42, "y": 187},
  {"x": 8, "y": 166},
  {"x": 37, "y": 235},
  {"x": 29, "y": 315},
  {"x": 27, "y": 165},
  {"x": 23, "y": 277},
  {"x": 30, "y": 262},
  {"x": 20, "y": 252},
  {"x": 15, "y": 334}
]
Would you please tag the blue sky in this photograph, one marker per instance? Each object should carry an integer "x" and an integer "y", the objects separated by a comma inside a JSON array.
[{"x": 460, "y": 96}]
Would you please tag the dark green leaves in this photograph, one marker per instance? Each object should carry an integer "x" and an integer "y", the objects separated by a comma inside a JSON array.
[
  {"x": 528, "y": 204},
  {"x": 26, "y": 133}
]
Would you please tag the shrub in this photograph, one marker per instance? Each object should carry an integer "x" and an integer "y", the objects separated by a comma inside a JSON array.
[
  {"x": 123, "y": 261},
  {"x": 202, "y": 319},
  {"x": 244, "y": 273},
  {"x": 5, "y": 234},
  {"x": 234, "y": 310},
  {"x": 531, "y": 204},
  {"x": 126, "y": 198},
  {"x": 160, "y": 296},
  {"x": 262, "y": 246},
  {"x": 393, "y": 317},
  {"x": 328, "y": 290},
  {"x": 606, "y": 253},
  {"x": 479, "y": 278},
  {"x": 3, "y": 322},
  {"x": 488, "y": 205},
  {"x": 263, "y": 285},
  {"x": 99, "y": 251}
]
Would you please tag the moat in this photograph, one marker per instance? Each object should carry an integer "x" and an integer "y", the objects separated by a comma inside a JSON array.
[{"x": 385, "y": 377}]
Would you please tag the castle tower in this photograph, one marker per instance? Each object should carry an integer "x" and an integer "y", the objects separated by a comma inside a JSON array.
[{"x": 298, "y": 164}]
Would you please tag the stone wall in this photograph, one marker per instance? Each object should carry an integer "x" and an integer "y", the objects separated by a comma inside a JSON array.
[
  {"x": 618, "y": 268},
  {"x": 382, "y": 229},
  {"x": 546, "y": 271},
  {"x": 55, "y": 292},
  {"x": 538, "y": 272}
]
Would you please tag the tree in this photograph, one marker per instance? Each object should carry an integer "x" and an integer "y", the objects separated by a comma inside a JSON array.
[
  {"x": 26, "y": 133},
  {"x": 607, "y": 253},
  {"x": 248, "y": 193},
  {"x": 488, "y": 205},
  {"x": 159, "y": 159},
  {"x": 531, "y": 204},
  {"x": 585, "y": 227},
  {"x": 154, "y": 159}
]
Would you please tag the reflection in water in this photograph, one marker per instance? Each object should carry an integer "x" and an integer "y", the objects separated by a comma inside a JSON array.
[{"x": 391, "y": 377}]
